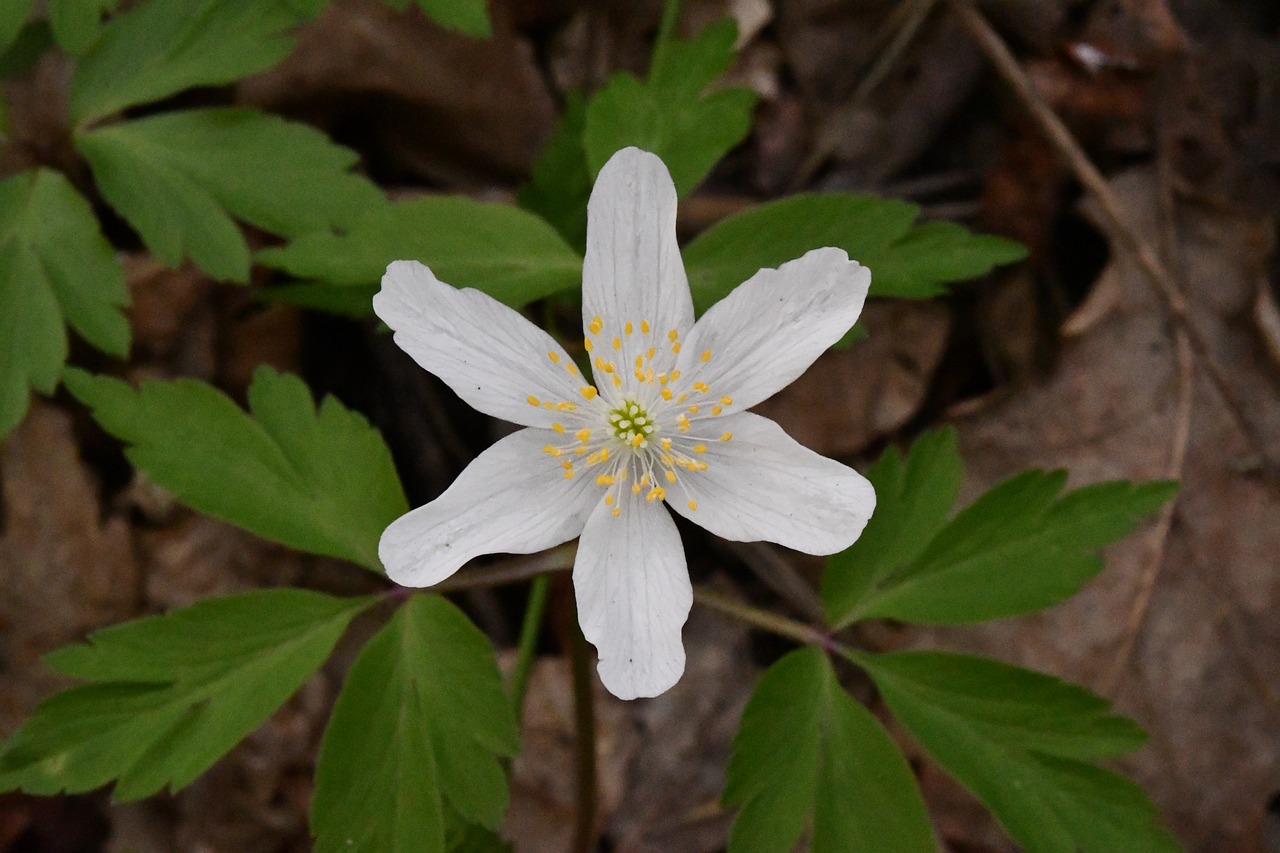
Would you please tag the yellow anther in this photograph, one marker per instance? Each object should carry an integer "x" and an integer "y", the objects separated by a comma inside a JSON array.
[
  {"x": 617, "y": 511},
  {"x": 635, "y": 488},
  {"x": 558, "y": 428},
  {"x": 657, "y": 493},
  {"x": 568, "y": 475},
  {"x": 571, "y": 369},
  {"x": 726, "y": 401},
  {"x": 639, "y": 374},
  {"x": 588, "y": 391},
  {"x": 667, "y": 460},
  {"x": 675, "y": 374},
  {"x": 566, "y": 406},
  {"x": 648, "y": 375},
  {"x": 649, "y": 353},
  {"x": 601, "y": 364},
  {"x": 617, "y": 381},
  {"x": 554, "y": 451},
  {"x": 578, "y": 451},
  {"x": 682, "y": 398},
  {"x": 608, "y": 500},
  {"x": 644, "y": 480},
  {"x": 604, "y": 480},
  {"x": 566, "y": 464},
  {"x": 533, "y": 401},
  {"x": 675, "y": 348},
  {"x": 628, "y": 328},
  {"x": 672, "y": 335},
  {"x": 699, "y": 448},
  {"x": 644, "y": 326},
  {"x": 637, "y": 440},
  {"x": 666, "y": 444},
  {"x": 554, "y": 356},
  {"x": 671, "y": 476},
  {"x": 701, "y": 386},
  {"x": 582, "y": 435},
  {"x": 726, "y": 436},
  {"x": 587, "y": 344},
  {"x": 617, "y": 343},
  {"x": 706, "y": 356},
  {"x": 604, "y": 454},
  {"x": 715, "y": 410},
  {"x": 693, "y": 505},
  {"x": 683, "y": 422},
  {"x": 693, "y": 409},
  {"x": 662, "y": 379},
  {"x": 666, "y": 394},
  {"x": 639, "y": 362},
  {"x": 596, "y": 325}
]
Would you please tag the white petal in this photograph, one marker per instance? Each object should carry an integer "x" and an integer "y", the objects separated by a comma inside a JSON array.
[
  {"x": 490, "y": 355},
  {"x": 512, "y": 499},
  {"x": 632, "y": 272},
  {"x": 762, "y": 484},
  {"x": 634, "y": 596},
  {"x": 772, "y": 327}
]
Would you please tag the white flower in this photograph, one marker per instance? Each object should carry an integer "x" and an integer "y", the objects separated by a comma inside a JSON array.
[{"x": 663, "y": 420}]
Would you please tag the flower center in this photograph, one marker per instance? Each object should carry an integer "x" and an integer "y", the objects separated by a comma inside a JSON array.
[{"x": 631, "y": 424}]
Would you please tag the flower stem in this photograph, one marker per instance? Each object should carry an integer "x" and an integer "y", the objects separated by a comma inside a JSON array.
[
  {"x": 764, "y": 619},
  {"x": 530, "y": 628},
  {"x": 666, "y": 29},
  {"x": 585, "y": 724}
]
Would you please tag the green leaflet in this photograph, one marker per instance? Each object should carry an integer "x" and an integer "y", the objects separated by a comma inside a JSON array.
[
  {"x": 1018, "y": 548},
  {"x": 180, "y": 177},
  {"x": 466, "y": 16},
  {"x": 172, "y": 694},
  {"x": 506, "y": 252},
  {"x": 317, "y": 480},
  {"x": 560, "y": 184},
  {"x": 75, "y": 22},
  {"x": 807, "y": 752},
  {"x": 13, "y": 17},
  {"x": 415, "y": 737},
  {"x": 671, "y": 113},
  {"x": 162, "y": 47},
  {"x": 1022, "y": 742},
  {"x": 55, "y": 268},
  {"x": 906, "y": 260},
  {"x": 914, "y": 497}
]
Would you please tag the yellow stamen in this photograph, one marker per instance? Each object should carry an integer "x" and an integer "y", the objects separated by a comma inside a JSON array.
[
  {"x": 627, "y": 329},
  {"x": 588, "y": 391},
  {"x": 558, "y": 428},
  {"x": 666, "y": 444},
  {"x": 637, "y": 440},
  {"x": 715, "y": 410},
  {"x": 596, "y": 325},
  {"x": 604, "y": 480},
  {"x": 554, "y": 451},
  {"x": 693, "y": 409},
  {"x": 568, "y": 475},
  {"x": 693, "y": 505},
  {"x": 617, "y": 343},
  {"x": 675, "y": 374},
  {"x": 671, "y": 476},
  {"x": 666, "y": 394},
  {"x": 608, "y": 500},
  {"x": 617, "y": 511},
  {"x": 649, "y": 353},
  {"x": 726, "y": 436},
  {"x": 683, "y": 422},
  {"x": 635, "y": 488},
  {"x": 701, "y": 386},
  {"x": 672, "y": 335},
  {"x": 554, "y": 356},
  {"x": 727, "y": 401},
  {"x": 571, "y": 369},
  {"x": 657, "y": 493},
  {"x": 706, "y": 356},
  {"x": 639, "y": 362},
  {"x": 533, "y": 401},
  {"x": 675, "y": 348},
  {"x": 582, "y": 435},
  {"x": 699, "y": 448},
  {"x": 587, "y": 344},
  {"x": 567, "y": 464}
]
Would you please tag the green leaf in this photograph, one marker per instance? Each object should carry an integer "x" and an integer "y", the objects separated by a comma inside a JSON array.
[
  {"x": 1021, "y": 741},
  {"x": 506, "y": 252},
  {"x": 466, "y": 16},
  {"x": 319, "y": 481},
  {"x": 55, "y": 268},
  {"x": 173, "y": 693},
  {"x": 913, "y": 500},
  {"x": 13, "y": 17},
  {"x": 906, "y": 260},
  {"x": 1017, "y": 549},
  {"x": 161, "y": 47},
  {"x": 180, "y": 177},
  {"x": 560, "y": 182},
  {"x": 415, "y": 736},
  {"x": 75, "y": 22},
  {"x": 806, "y": 751},
  {"x": 670, "y": 114}
]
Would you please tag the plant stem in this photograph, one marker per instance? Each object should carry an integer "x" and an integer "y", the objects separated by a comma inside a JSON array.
[
  {"x": 585, "y": 725},
  {"x": 764, "y": 619},
  {"x": 666, "y": 29},
  {"x": 530, "y": 628}
]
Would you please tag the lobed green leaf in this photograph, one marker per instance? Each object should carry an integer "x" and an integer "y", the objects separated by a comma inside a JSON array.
[
  {"x": 906, "y": 260},
  {"x": 180, "y": 177},
  {"x": 172, "y": 693},
  {"x": 162, "y": 47},
  {"x": 807, "y": 753},
  {"x": 415, "y": 737},
  {"x": 914, "y": 497},
  {"x": 75, "y": 23},
  {"x": 1021, "y": 741},
  {"x": 671, "y": 114},
  {"x": 317, "y": 480},
  {"x": 55, "y": 268},
  {"x": 499, "y": 249}
]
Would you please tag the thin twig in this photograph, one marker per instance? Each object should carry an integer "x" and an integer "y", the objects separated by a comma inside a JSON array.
[
  {"x": 998, "y": 53},
  {"x": 1170, "y": 249},
  {"x": 791, "y": 629},
  {"x": 512, "y": 570}
]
